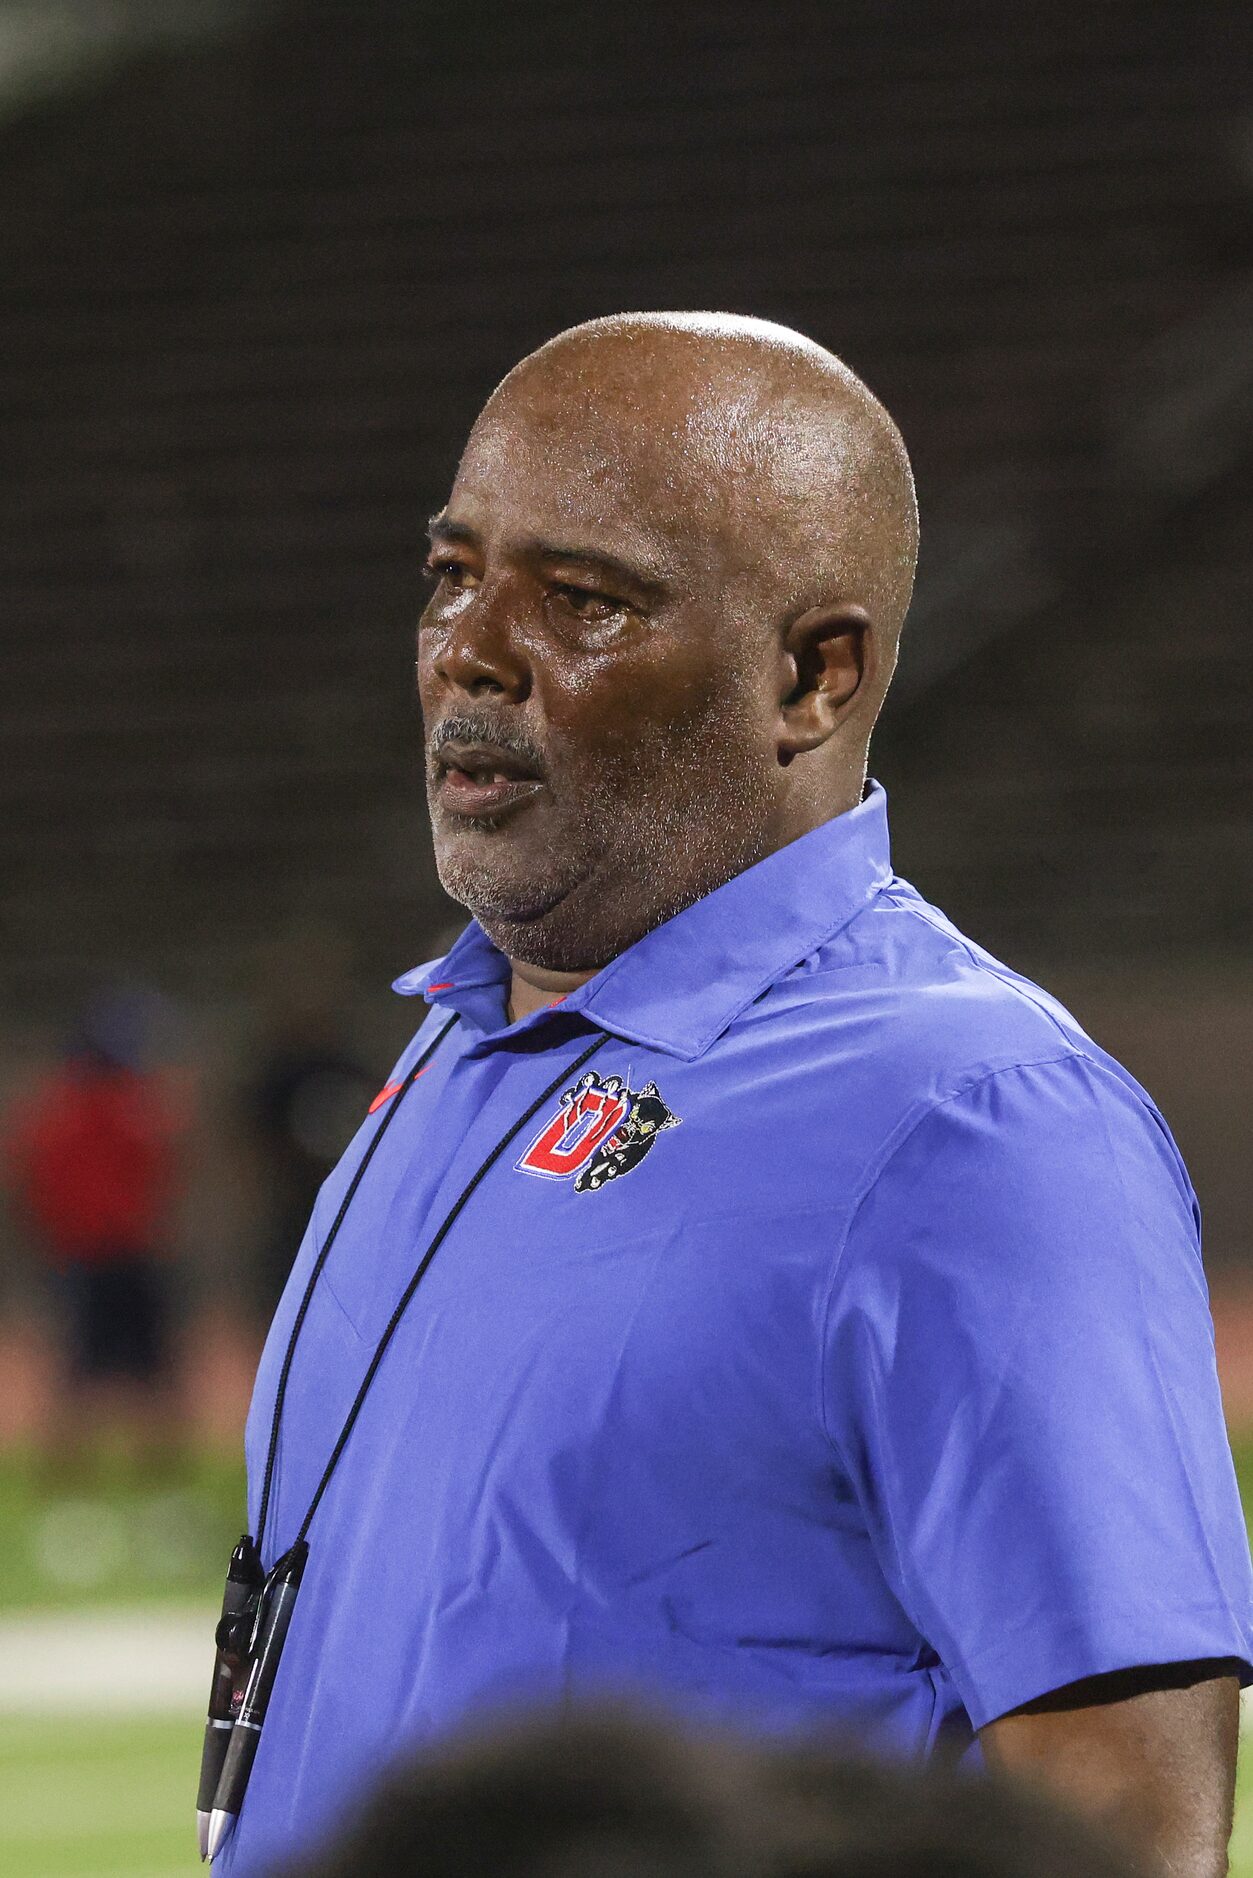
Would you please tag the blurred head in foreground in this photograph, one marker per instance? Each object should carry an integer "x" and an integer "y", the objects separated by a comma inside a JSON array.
[{"x": 620, "y": 1796}]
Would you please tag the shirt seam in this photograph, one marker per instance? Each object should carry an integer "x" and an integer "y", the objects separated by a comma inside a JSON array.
[
  {"x": 343, "y": 1310},
  {"x": 990, "y": 968},
  {"x": 1149, "y": 1319},
  {"x": 899, "y": 1138}
]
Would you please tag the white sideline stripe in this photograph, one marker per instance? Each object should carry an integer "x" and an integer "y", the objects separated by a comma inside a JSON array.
[
  {"x": 112, "y": 1662},
  {"x": 164, "y": 1871}
]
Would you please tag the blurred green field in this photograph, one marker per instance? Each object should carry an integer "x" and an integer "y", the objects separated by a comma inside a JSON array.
[
  {"x": 99, "y": 1796},
  {"x": 118, "y": 1538},
  {"x": 89, "y": 1798}
]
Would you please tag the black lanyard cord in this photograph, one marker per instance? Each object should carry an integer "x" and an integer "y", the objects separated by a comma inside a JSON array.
[
  {"x": 393, "y": 1322},
  {"x": 285, "y": 1372}
]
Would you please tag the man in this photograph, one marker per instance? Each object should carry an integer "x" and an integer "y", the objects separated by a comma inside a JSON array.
[{"x": 763, "y": 1298}]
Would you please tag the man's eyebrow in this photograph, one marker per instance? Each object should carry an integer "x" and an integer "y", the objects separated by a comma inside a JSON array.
[
  {"x": 441, "y": 528},
  {"x": 647, "y": 578},
  {"x": 634, "y": 573}
]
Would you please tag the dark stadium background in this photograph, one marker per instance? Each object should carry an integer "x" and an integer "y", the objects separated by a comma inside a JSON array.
[{"x": 259, "y": 265}]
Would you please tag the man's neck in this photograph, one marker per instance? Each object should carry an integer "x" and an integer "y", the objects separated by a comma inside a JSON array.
[{"x": 531, "y": 989}]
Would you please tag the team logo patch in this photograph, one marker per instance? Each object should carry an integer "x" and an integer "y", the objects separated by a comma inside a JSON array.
[{"x": 602, "y": 1129}]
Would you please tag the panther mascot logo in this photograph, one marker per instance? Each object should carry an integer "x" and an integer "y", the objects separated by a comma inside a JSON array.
[{"x": 602, "y": 1128}]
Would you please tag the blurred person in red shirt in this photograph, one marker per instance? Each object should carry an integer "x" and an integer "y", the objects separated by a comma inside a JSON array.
[{"x": 92, "y": 1158}]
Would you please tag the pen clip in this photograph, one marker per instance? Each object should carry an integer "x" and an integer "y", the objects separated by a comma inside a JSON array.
[
  {"x": 278, "y": 1570},
  {"x": 259, "y": 1614}
]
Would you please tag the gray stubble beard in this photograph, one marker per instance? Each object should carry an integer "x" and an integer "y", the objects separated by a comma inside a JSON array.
[{"x": 627, "y": 834}]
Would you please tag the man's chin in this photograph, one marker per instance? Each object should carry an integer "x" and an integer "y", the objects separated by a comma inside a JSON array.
[
  {"x": 500, "y": 899},
  {"x": 547, "y": 933}
]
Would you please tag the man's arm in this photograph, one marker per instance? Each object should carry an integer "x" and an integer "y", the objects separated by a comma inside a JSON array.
[{"x": 1149, "y": 1752}]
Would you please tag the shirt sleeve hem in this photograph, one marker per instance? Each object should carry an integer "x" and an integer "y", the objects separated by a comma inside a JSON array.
[{"x": 995, "y": 1681}]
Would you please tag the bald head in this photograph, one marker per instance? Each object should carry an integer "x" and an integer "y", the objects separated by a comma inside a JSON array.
[
  {"x": 670, "y": 580},
  {"x": 767, "y": 440}
]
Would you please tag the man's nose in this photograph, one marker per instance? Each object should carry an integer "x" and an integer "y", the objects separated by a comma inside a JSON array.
[{"x": 479, "y": 650}]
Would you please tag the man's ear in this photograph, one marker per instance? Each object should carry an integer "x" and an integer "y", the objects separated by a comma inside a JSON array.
[{"x": 828, "y": 653}]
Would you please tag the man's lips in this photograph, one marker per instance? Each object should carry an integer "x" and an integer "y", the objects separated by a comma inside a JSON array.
[
  {"x": 463, "y": 794},
  {"x": 483, "y": 778}
]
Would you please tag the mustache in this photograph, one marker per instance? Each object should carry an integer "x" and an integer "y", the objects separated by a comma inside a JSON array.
[{"x": 485, "y": 730}]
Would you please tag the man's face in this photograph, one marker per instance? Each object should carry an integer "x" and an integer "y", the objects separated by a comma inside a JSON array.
[{"x": 592, "y": 618}]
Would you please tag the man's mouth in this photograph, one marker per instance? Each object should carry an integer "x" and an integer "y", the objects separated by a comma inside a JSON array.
[{"x": 483, "y": 779}]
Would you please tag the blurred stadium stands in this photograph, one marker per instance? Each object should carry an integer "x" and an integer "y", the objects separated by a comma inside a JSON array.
[{"x": 259, "y": 279}]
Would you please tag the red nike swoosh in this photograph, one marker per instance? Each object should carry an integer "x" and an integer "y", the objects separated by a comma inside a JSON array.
[{"x": 393, "y": 1088}]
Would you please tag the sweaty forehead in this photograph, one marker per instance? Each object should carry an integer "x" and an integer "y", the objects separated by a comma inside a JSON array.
[
  {"x": 695, "y": 450},
  {"x": 739, "y": 455}
]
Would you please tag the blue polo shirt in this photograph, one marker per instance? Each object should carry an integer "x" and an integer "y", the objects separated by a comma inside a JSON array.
[{"x": 831, "y": 1349}]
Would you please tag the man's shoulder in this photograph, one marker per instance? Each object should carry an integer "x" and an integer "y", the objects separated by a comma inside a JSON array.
[
  {"x": 904, "y": 998},
  {"x": 974, "y": 1080}
]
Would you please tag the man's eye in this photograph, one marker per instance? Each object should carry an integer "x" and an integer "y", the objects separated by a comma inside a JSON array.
[
  {"x": 454, "y": 574},
  {"x": 589, "y": 604}
]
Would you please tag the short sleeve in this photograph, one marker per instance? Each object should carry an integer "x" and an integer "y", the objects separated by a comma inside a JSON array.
[{"x": 1020, "y": 1381}]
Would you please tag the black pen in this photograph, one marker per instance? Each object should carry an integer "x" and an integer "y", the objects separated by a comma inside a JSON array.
[
  {"x": 278, "y": 1598},
  {"x": 244, "y": 1577}
]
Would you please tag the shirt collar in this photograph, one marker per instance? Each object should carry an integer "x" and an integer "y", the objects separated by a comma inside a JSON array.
[{"x": 680, "y": 986}]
